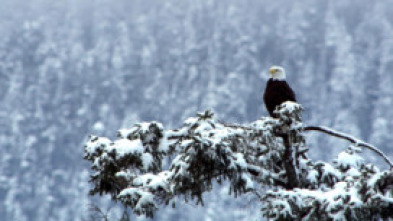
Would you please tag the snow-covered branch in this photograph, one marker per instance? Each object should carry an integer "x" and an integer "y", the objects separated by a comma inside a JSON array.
[
  {"x": 266, "y": 153},
  {"x": 351, "y": 139}
]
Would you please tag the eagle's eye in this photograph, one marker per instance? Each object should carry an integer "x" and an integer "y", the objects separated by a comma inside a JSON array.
[{"x": 272, "y": 70}]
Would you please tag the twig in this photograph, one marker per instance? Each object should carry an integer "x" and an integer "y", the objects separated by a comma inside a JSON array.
[{"x": 351, "y": 139}]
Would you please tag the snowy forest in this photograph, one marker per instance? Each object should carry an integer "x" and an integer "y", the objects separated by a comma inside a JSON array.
[{"x": 72, "y": 68}]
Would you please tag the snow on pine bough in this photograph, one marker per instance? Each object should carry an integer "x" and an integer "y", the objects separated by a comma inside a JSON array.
[{"x": 270, "y": 152}]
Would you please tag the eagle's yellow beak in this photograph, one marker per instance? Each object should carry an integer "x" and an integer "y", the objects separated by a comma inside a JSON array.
[{"x": 272, "y": 70}]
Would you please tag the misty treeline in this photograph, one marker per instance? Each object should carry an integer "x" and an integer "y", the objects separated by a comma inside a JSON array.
[{"x": 70, "y": 68}]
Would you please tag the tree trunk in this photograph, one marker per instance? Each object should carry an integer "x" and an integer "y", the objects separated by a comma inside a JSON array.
[{"x": 289, "y": 164}]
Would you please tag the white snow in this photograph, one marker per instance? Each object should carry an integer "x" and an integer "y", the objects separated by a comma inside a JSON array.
[
  {"x": 164, "y": 143},
  {"x": 290, "y": 106},
  {"x": 249, "y": 183},
  {"x": 125, "y": 146},
  {"x": 346, "y": 160},
  {"x": 147, "y": 160},
  {"x": 313, "y": 176},
  {"x": 143, "y": 198},
  {"x": 186, "y": 143},
  {"x": 146, "y": 198},
  {"x": 124, "y": 133},
  {"x": 353, "y": 172},
  {"x": 372, "y": 181},
  {"x": 176, "y": 133},
  {"x": 150, "y": 180},
  {"x": 97, "y": 142},
  {"x": 339, "y": 188},
  {"x": 125, "y": 174},
  {"x": 329, "y": 170},
  {"x": 191, "y": 120},
  {"x": 129, "y": 192},
  {"x": 204, "y": 126},
  {"x": 240, "y": 161},
  {"x": 330, "y": 199}
]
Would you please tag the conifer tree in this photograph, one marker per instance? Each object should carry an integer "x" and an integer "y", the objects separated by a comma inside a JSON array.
[{"x": 269, "y": 152}]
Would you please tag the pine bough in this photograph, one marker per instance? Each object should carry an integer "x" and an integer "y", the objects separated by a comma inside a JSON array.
[{"x": 268, "y": 152}]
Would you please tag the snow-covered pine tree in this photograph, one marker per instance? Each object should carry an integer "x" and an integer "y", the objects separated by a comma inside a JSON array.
[{"x": 269, "y": 153}]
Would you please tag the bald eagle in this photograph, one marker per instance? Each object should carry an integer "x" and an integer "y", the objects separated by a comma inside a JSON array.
[{"x": 277, "y": 90}]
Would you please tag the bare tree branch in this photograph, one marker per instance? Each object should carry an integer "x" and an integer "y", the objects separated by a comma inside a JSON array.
[{"x": 351, "y": 139}]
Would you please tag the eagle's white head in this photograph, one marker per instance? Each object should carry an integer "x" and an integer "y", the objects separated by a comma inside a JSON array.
[{"x": 277, "y": 73}]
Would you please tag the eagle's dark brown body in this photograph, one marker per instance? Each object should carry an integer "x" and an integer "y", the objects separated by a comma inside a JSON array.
[{"x": 276, "y": 93}]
